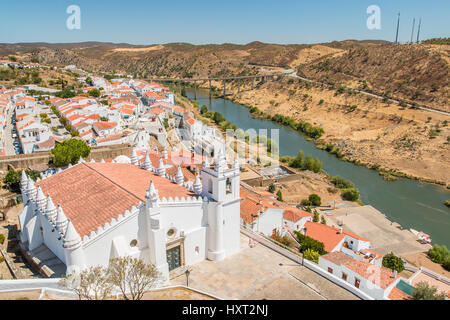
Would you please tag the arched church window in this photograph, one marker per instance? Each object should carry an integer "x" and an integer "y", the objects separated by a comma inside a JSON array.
[{"x": 228, "y": 186}]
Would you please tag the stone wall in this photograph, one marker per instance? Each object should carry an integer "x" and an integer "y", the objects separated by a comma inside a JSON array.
[{"x": 25, "y": 161}]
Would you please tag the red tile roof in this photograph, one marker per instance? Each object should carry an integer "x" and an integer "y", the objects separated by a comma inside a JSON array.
[
  {"x": 91, "y": 194},
  {"x": 105, "y": 125},
  {"x": 338, "y": 258},
  {"x": 380, "y": 276}
]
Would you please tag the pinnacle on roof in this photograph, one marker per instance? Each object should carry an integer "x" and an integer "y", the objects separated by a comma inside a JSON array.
[
  {"x": 134, "y": 157},
  {"x": 50, "y": 210},
  {"x": 40, "y": 198},
  {"x": 205, "y": 163},
  {"x": 147, "y": 162},
  {"x": 165, "y": 154},
  {"x": 179, "y": 178},
  {"x": 72, "y": 239},
  {"x": 161, "y": 168},
  {"x": 61, "y": 220},
  {"x": 24, "y": 179},
  {"x": 198, "y": 185}
]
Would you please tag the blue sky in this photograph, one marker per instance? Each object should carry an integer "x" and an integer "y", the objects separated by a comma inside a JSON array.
[{"x": 231, "y": 21}]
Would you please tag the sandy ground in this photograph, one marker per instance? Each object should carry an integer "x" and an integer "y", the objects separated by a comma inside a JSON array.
[
  {"x": 375, "y": 133},
  {"x": 420, "y": 259},
  {"x": 21, "y": 295},
  {"x": 138, "y": 50}
]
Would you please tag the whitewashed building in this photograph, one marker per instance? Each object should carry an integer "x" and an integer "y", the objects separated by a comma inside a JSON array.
[{"x": 92, "y": 212}]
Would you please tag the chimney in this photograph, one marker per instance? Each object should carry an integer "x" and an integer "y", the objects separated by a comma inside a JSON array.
[
  {"x": 340, "y": 231},
  {"x": 395, "y": 274}
]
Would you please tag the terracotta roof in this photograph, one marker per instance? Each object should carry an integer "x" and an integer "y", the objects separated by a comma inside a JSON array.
[
  {"x": 105, "y": 125},
  {"x": 380, "y": 276},
  {"x": 249, "y": 208},
  {"x": 295, "y": 215},
  {"x": 91, "y": 194},
  {"x": 329, "y": 236},
  {"x": 188, "y": 175},
  {"x": 111, "y": 137},
  {"x": 338, "y": 258}
]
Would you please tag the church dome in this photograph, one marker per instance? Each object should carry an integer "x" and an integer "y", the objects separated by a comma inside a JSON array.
[{"x": 122, "y": 159}]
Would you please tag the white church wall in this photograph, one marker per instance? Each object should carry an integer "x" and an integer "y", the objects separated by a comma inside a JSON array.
[
  {"x": 52, "y": 238},
  {"x": 99, "y": 250},
  {"x": 231, "y": 227},
  {"x": 195, "y": 246}
]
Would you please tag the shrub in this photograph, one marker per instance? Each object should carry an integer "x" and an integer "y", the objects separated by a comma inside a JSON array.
[
  {"x": 341, "y": 183},
  {"x": 310, "y": 243},
  {"x": 350, "y": 194},
  {"x": 279, "y": 196},
  {"x": 271, "y": 188},
  {"x": 315, "y": 200},
  {"x": 424, "y": 292},
  {"x": 439, "y": 254},
  {"x": 311, "y": 255},
  {"x": 2, "y": 238}
]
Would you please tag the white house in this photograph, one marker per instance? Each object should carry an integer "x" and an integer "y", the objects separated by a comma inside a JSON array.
[
  {"x": 92, "y": 212},
  {"x": 376, "y": 281}
]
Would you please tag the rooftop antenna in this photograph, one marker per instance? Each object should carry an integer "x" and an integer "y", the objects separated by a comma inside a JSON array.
[
  {"x": 418, "y": 31},
  {"x": 398, "y": 25},
  {"x": 412, "y": 32}
]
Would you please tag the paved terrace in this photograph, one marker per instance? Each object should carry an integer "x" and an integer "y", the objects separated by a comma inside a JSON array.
[{"x": 256, "y": 273}]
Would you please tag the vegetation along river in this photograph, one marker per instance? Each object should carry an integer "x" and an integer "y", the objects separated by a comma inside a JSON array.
[{"x": 410, "y": 203}]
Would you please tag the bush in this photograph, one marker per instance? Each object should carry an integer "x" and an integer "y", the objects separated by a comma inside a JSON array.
[
  {"x": 315, "y": 200},
  {"x": 350, "y": 194},
  {"x": 2, "y": 238},
  {"x": 424, "y": 292},
  {"x": 311, "y": 255},
  {"x": 341, "y": 183},
  {"x": 439, "y": 254},
  {"x": 310, "y": 243},
  {"x": 279, "y": 196},
  {"x": 12, "y": 178},
  {"x": 271, "y": 188},
  {"x": 393, "y": 262}
]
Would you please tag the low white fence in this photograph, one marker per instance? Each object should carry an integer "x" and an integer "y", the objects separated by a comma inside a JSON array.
[
  {"x": 28, "y": 284},
  {"x": 265, "y": 242}
]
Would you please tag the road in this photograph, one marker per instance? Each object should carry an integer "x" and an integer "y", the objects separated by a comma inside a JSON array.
[
  {"x": 293, "y": 73},
  {"x": 9, "y": 146}
]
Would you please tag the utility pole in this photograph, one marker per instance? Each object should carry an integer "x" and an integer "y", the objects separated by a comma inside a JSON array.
[
  {"x": 418, "y": 31},
  {"x": 398, "y": 25},
  {"x": 412, "y": 32}
]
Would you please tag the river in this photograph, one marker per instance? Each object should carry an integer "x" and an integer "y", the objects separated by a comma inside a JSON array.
[{"x": 410, "y": 203}]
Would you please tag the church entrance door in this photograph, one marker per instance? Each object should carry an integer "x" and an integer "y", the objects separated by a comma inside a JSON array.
[{"x": 174, "y": 258}]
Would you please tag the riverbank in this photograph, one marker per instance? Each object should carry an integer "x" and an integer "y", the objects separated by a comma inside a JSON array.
[
  {"x": 395, "y": 141},
  {"x": 410, "y": 203}
]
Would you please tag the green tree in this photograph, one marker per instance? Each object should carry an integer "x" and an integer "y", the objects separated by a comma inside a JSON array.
[
  {"x": 393, "y": 262},
  {"x": 350, "y": 194},
  {"x": 424, "y": 292},
  {"x": 204, "y": 109},
  {"x": 310, "y": 243},
  {"x": 315, "y": 200},
  {"x": 272, "y": 188},
  {"x": 323, "y": 221},
  {"x": 94, "y": 93},
  {"x": 316, "y": 216},
  {"x": 12, "y": 178},
  {"x": 311, "y": 255},
  {"x": 438, "y": 254},
  {"x": 279, "y": 196},
  {"x": 70, "y": 151}
]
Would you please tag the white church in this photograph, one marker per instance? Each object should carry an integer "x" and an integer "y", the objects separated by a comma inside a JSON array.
[{"x": 92, "y": 212}]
